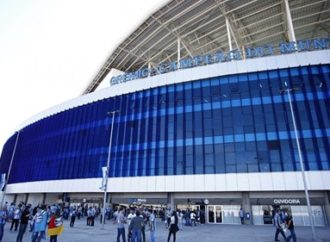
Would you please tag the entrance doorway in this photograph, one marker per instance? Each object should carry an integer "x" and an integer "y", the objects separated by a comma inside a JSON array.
[{"x": 214, "y": 213}]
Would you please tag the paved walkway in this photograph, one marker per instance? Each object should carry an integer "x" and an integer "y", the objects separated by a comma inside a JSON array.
[{"x": 201, "y": 233}]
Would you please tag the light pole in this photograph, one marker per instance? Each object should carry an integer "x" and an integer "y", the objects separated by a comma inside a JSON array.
[
  {"x": 108, "y": 166},
  {"x": 288, "y": 91},
  {"x": 9, "y": 169}
]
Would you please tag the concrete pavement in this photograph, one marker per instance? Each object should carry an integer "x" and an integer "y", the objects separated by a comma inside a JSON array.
[{"x": 202, "y": 233}]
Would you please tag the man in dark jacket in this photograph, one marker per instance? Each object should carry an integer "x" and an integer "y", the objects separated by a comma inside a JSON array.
[
  {"x": 24, "y": 223},
  {"x": 135, "y": 227}
]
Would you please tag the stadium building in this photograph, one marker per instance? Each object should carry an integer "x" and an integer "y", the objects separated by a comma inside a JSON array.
[{"x": 211, "y": 99}]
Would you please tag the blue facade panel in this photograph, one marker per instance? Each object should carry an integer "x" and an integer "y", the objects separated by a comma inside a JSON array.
[{"x": 237, "y": 123}]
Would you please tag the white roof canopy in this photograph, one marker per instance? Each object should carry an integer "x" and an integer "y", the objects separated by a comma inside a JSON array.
[{"x": 200, "y": 27}]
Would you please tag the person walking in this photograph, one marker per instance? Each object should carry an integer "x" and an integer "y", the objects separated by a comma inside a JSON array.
[
  {"x": 173, "y": 227},
  {"x": 130, "y": 216},
  {"x": 180, "y": 217},
  {"x": 135, "y": 227},
  {"x": 193, "y": 218},
  {"x": 278, "y": 226},
  {"x": 73, "y": 217},
  {"x": 24, "y": 223},
  {"x": 290, "y": 225},
  {"x": 3, "y": 218},
  {"x": 40, "y": 224},
  {"x": 241, "y": 215},
  {"x": 16, "y": 217},
  {"x": 152, "y": 226},
  {"x": 121, "y": 220},
  {"x": 89, "y": 216}
]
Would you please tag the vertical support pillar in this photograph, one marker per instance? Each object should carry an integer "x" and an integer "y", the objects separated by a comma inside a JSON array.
[
  {"x": 327, "y": 207},
  {"x": 246, "y": 205},
  {"x": 170, "y": 201},
  {"x": 15, "y": 198},
  {"x": 26, "y": 198},
  {"x": 44, "y": 198},
  {"x": 292, "y": 36},
  {"x": 149, "y": 68},
  {"x": 228, "y": 34},
  {"x": 179, "y": 52}
]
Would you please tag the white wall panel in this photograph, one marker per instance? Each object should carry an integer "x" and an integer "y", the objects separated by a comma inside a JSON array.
[
  {"x": 241, "y": 66},
  {"x": 254, "y": 182},
  {"x": 189, "y": 182},
  {"x": 325, "y": 176},
  {"x": 290, "y": 180},
  {"x": 169, "y": 183},
  {"x": 199, "y": 181},
  {"x": 251, "y": 64},
  {"x": 299, "y": 179},
  {"x": 267, "y": 181},
  {"x": 270, "y": 63},
  {"x": 160, "y": 180},
  {"x": 141, "y": 183},
  {"x": 220, "y": 182},
  {"x": 323, "y": 57},
  {"x": 151, "y": 183},
  {"x": 281, "y": 61},
  {"x": 315, "y": 181},
  {"x": 243, "y": 182},
  {"x": 278, "y": 181},
  {"x": 127, "y": 183},
  {"x": 231, "y": 182},
  {"x": 204, "y": 71},
  {"x": 292, "y": 60},
  {"x": 232, "y": 67},
  {"x": 179, "y": 183},
  {"x": 210, "y": 182},
  {"x": 261, "y": 65}
]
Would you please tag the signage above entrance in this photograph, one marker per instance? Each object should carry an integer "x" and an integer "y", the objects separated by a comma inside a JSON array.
[
  {"x": 237, "y": 54},
  {"x": 286, "y": 201}
]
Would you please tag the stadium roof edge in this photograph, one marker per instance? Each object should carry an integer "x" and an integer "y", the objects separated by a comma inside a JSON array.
[{"x": 199, "y": 27}]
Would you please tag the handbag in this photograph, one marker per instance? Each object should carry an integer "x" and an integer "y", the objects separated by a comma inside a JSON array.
[
  {"x": 284, "y": 228},
  {"x": 176, "y": 228}
]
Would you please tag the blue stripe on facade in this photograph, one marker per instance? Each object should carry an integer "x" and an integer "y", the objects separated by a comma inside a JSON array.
[{"x": 236, "y": 123}]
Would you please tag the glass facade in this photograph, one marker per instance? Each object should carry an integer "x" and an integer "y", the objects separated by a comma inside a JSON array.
[{"x": 230, "y": 124}]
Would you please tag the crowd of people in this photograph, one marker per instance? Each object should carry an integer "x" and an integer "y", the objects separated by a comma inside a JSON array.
[
  {"x": 42, "y": 220},
  {"x": 39, "y": 219}
]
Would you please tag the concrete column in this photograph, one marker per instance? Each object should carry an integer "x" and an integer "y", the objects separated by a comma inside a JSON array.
[
  {"x": 170, "y": 201},
  {"x": 246, "y": 205},
  {"x": 44, "y": 198},
  {"x": 327, "y": 207},
  {"x": 26, "y": 198}
]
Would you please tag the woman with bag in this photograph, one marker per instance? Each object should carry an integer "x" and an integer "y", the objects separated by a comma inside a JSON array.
[{"x": 173, "y": 227}]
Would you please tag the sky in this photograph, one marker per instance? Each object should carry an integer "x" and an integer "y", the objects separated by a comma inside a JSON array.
[{"x": 51, "y": 49}]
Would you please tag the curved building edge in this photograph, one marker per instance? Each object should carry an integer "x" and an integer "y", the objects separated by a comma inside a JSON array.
[{"x": 201, "y": 72}]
